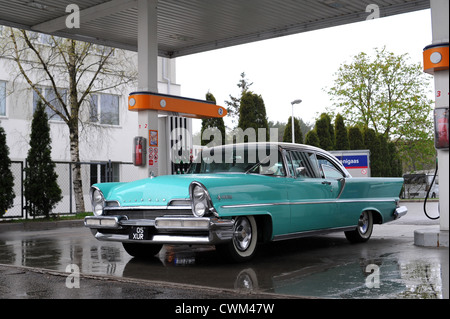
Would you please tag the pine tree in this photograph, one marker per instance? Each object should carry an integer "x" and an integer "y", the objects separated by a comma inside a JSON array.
[
  {"x": 355, "y": 138},
  {"x": 6, "y": 177},
  {"x": 252, "y": 114},
  {"x": 41, "y": 188},
  {"x": 312, "y": 138},
  {"x": 323, "y": 131},
  {"x": 298, "y": 135},
  {"x": 342, "y": 142},
  {"x": 396, "y": 162},
  {"x": 372, "y": 143},
  {"x": 214, "y": 123},
  {"x": 385, "y": 154}
]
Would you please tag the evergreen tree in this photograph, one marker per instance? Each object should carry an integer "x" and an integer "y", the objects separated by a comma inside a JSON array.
[
  {"x": 342, "y": 142},
  {"x": 355, "y": 138},
  {"x": 372, "y": 143},
  {"x": 385, "y": 154},
  {"x": 312, "y": 138},
  {"x": 214, "y": 123},
  {"x": 298, "y": 135},
  {"x": 396, "y": 163},
  {"x": 323, "y": 131},
  {"x": 41, "y": 188},
  {"x": 6, "y": 177},
  {"x": 252, "y": 113}
]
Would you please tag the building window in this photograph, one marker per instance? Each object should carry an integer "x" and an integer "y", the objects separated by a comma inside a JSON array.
[
  {"x": 50, "y": 95},
  {"x": 2, "y": 98},
  {"x": 104, "y": 109},
  {"x": 104, "y": 172}
]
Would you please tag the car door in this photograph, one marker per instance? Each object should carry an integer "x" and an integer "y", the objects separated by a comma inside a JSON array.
[{"x": 311, "y": 194}]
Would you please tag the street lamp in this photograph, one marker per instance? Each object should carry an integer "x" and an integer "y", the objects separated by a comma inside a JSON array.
[{"x": 292, "y": 118}]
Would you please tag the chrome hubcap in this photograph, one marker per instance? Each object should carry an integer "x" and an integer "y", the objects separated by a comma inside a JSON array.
[
  {"x": 242, "y": 234},
  {"x": 363, "y": 223}
]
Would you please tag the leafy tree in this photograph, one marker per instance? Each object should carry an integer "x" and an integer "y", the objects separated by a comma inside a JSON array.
[
  {"x": 312, "y": 138},
  {"x": 82, "y": 68},
  {"x": 355, "y": 138},
  {"x": 235, "y": 102},
  {"x": 342, "y": 142},
  {"x": 298, "y": 135},
  {"x": 40, "y": 186},
  {"x": 252, "y": 113},
  {"x": 7, "y": 179},
  {"x": 389, "y": 95},
  {"x": 214, "y": 123}
]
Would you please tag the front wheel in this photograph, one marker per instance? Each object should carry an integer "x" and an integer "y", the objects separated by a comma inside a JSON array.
[
  {"x": 364, "y": 229},
  {"x": 242, "y": 246}
]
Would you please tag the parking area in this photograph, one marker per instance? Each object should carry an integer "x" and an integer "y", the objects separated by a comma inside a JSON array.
[{"x": 388, "y": 266}]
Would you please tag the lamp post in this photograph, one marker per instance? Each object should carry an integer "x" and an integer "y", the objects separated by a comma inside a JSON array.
[{"x": 292, "y": 118}]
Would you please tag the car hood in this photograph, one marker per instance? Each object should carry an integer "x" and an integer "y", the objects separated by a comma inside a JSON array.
[{"x": 160, "y": 190}]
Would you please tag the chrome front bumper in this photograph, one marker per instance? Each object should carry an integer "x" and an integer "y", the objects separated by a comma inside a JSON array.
[{"x": 163, "y": 230}]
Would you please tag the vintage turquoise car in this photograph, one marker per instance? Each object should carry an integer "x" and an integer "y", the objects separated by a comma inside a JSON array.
[{"x": 238, "y": 195}]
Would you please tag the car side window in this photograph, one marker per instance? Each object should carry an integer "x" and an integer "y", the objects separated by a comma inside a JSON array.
[
  {"x": 302, "y": 164},
  {"x": 270, "y": 168},
  {"x": 329, "y": 170}
]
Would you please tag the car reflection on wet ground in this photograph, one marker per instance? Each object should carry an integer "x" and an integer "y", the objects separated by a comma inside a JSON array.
[{"x": 388, "y": 266}]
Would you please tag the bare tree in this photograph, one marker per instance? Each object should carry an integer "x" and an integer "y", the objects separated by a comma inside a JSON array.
[{"x": 73, "y": 70}]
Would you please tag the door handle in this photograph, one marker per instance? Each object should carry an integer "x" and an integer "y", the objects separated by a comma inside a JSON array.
[{"x": 326, "y": 183}]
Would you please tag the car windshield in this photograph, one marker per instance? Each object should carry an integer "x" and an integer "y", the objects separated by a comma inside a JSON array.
[{"x": 246, "y": 158}]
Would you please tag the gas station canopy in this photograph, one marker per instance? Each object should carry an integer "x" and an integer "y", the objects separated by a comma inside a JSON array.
[{"x": 193, "y": 26}]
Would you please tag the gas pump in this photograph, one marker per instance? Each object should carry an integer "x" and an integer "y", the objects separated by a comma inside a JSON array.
[
  {"x": 436, "y": 62},
  {"x": 174, "y": 108}
]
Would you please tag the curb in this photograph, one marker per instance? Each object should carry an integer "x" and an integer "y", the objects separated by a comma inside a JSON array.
[
  {"x": 431, "y": 237},
  {"x": 41, "y": 225}
]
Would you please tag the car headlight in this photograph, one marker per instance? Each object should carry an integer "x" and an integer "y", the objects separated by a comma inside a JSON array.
[
  {"x": 201, "y": 202},
  {"x": 97, "y": 200}
]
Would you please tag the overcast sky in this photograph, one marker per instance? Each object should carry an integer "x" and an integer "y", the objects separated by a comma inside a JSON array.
[{"x": 300, "y": 66}]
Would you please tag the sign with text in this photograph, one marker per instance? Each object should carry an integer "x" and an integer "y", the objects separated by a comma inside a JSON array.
[{"x": 354, "y": 161}]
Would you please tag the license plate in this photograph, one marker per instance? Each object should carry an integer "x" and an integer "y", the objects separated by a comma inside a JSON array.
[{"x": 138, "y": 233}]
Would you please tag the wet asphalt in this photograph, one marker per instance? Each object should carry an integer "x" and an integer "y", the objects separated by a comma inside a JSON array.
[{"x": 64, "y": 261}]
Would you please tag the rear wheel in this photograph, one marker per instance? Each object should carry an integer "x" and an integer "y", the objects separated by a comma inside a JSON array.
[
  {"x": 364, "y": 229},
  {"x": 242, "y": 247},
  {"x": 143, "y": 251}
]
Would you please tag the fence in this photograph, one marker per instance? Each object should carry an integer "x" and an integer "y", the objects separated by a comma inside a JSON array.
[{"x": 91, "y": 173}]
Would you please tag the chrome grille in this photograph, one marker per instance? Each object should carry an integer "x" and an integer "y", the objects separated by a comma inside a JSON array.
[{"x": 146, "y": 213}]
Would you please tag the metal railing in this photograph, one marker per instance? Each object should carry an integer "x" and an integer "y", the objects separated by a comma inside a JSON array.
[{"x": 92, "y": 172}]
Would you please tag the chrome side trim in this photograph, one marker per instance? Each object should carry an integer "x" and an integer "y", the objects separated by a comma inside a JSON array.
[
  {"x": 342, "y": 182},
  {"x": 312, "y": 203},
  {"x": 312, "y": 233}
]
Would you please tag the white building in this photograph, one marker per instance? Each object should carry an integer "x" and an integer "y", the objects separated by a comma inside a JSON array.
[{"x": 106, "y": 134}]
